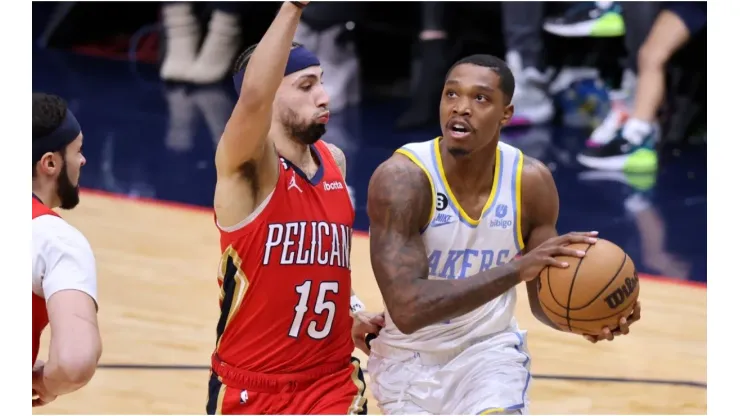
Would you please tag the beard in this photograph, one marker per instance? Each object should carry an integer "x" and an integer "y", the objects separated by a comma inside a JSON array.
[
  {"x": 69, "y": 195},
  {"x": 306, "y": 133}
]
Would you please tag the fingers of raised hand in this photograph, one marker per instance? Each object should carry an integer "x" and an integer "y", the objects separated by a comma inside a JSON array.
[{"x": 579, "y": 237}]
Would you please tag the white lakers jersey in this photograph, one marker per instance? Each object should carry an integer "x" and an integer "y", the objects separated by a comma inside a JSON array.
[{"x": 459, "y": 247}]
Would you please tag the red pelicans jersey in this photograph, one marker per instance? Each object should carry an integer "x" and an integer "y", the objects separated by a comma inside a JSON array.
[
  {"x": 285, "y": 276},
  {"x": 61, "y": 260}
]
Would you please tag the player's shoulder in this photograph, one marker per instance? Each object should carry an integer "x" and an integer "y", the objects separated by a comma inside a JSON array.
[
  {"x": 337, "y": 155},
  {"x": 533, "y": 170},
  {"x": 538, "y": 185},
  {"x": 54, "y": 230},
  {"x": 399, "y": 185},
  {"x": 335, "y": 151},
  {"x": 398, "y": 173}
]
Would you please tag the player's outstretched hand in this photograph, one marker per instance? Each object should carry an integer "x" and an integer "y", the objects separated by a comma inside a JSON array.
[
  {"x": 39, "y": 395},
  {"x": 624, "y": 327},
  {"x": 366, "y": 323},
  {"x": 531, "y": 264}
]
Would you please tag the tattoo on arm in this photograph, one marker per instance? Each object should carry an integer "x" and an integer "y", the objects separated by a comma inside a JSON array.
[{"x": 399, "y": 200}]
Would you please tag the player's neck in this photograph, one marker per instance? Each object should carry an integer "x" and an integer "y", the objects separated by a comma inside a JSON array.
[
  {"x": 46, "y": 193},
  {"x": 297, "y": 153},
  {"x": 473, "y": 172}
]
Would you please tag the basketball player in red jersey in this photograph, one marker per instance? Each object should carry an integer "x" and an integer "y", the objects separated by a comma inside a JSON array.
[
  {"x": 285, "y": 335},
  {"x": 64, "y": 292}
]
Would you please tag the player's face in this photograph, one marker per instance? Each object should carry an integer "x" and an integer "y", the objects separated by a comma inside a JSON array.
[
  {"x": 68, "y": 181},
  {"x": 302, "y": 105},
  {"x": 473, "y": 109}
]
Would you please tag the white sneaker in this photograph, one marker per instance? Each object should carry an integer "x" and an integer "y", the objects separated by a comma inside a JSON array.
[
  {"x": 532, "y": 101},
  {"x": 182, "y": 34},
  {"x": 219, "y": 49}
]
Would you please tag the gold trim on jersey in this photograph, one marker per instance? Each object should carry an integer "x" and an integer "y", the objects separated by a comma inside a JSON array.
[
  {"x": 357, "y": 407},
  {"x": 221, "y": 397},
  {"x": 443, "y": 178},
  {"x": 236, "y": 294},
  {"x": 518, "y": 207},
  {"x": 421, "y": 166}
]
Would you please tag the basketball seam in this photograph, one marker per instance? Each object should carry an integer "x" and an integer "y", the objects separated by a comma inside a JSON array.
[
  {"x": 587, "y": 320},
  {"x": 619, "y": 270},
  {"x": 572, "y": 285},
  {"x": 584, "y": 330},
  {"x": 606, "y": 317},
  {"x": 552, "y": 294}
]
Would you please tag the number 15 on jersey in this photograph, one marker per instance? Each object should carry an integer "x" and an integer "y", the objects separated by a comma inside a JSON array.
[{"x": 320, "y": 306}]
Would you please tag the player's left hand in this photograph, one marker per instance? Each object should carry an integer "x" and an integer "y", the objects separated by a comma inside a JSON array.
[
  {"x": 366, "y": 323},
  {"x": 624, "y": 327},
  {"x": 39, "y": 395}
]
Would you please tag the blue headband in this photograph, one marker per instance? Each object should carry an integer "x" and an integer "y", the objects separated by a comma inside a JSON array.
[
  {"x": 300, "y": 58},
  {"x": 59, "y": 138}
]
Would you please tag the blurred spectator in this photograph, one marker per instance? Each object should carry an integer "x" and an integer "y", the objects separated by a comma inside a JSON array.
[
  {"x": 588, "y": 19},
  {"x": 429, "y": 66},
  {"x": 522, "y": 30},
  {"x": 535, "y": 86},
  {"x": 607, "y": 19},
  {"x": 639, "y": 18},
  {"x": 326, "y": 29},
  {"x": 186, "y": 59},
  {"x": 632, "y": 145}
]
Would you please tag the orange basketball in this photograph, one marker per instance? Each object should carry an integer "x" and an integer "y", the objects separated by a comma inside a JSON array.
[{"x": 594, "y": 292}]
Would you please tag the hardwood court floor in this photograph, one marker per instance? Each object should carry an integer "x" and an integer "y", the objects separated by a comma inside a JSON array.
[{"x": 159, "y": 306}]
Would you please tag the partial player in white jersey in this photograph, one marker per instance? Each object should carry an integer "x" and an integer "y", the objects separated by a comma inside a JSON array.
[
  {"x": 64, "y": 282},
  {"x": 448, "y": 218}
]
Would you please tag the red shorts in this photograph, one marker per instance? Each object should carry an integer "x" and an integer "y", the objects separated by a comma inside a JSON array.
[{"x": 327, "y": 391}]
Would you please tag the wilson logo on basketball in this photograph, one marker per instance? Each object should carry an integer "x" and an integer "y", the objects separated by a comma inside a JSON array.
[{"x": 617, "y": 297}]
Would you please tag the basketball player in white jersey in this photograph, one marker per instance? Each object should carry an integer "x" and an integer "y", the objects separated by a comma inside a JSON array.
[
  {"x": 447, "y": 220},
  {"x": 64, "y": 282}
]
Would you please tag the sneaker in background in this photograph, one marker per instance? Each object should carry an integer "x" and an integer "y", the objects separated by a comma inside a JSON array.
[
  {"x": 533, "y": 104},
  {"x": 588, "y": 19},
  {"x": 630, "y": 149}
]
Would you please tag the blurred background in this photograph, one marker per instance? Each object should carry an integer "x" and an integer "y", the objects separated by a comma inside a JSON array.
[{"x": 610, "y": 95}]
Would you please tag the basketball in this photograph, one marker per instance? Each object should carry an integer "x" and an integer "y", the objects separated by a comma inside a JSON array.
[{"x": 594, "y": 292}]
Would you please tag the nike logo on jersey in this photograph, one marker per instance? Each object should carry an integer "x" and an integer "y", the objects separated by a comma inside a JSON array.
[{"x": 442, "y": 219}]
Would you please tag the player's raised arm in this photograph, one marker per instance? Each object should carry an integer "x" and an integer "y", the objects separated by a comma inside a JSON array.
[{"x": 245, "y": 135}]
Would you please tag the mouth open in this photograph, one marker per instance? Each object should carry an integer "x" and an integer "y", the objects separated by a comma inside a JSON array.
[{"x": 459, "y": 130}]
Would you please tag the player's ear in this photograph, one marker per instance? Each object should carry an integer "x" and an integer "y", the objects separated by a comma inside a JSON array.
[
  {"x": 47, "y": 164},
  {"x": 508, "y": 114}
]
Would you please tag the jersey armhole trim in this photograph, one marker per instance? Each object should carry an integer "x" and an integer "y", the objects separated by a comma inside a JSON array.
[
  {"x": 413, "y": 158},
  {"x": 518, "y": 201},
  {"x": 251, "y": 217}
]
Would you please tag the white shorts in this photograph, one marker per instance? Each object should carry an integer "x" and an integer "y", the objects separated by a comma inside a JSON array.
[{"x": 490, "y": 376}]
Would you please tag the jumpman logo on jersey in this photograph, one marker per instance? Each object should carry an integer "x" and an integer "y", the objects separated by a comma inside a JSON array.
[{"x": 293, "y": 184}]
